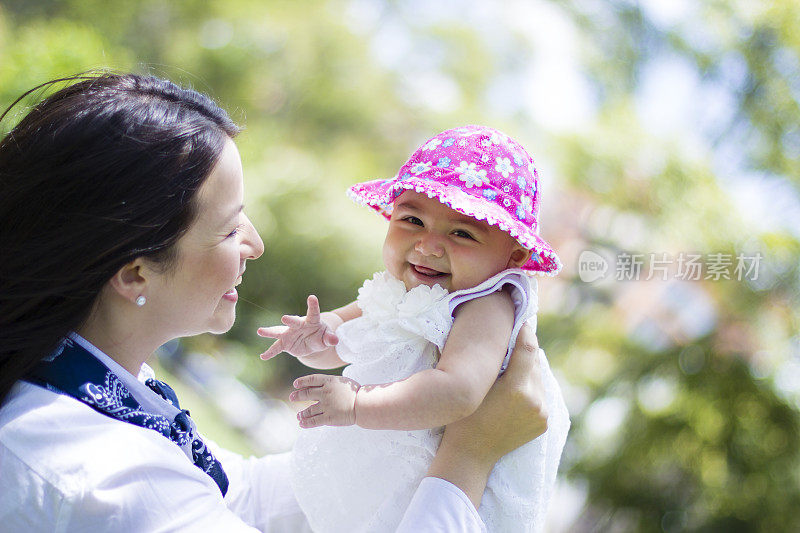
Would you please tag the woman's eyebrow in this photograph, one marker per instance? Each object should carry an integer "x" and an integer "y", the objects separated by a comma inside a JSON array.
[{"x": 234, "y": 214}]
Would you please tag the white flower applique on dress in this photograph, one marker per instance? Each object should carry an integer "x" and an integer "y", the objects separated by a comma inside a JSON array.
[{"x": 350, "y": 479}]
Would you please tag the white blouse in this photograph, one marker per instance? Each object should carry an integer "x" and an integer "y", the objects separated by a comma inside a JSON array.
[{"x": 66, "y": 467}]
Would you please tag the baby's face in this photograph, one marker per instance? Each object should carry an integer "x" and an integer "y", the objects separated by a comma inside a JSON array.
[{"x": 428, "y": 243}]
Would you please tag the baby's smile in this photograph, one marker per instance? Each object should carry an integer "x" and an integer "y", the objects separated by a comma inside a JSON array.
[
  {"x": 427, "y": 271},
  {"x": 428, "y": 276}
]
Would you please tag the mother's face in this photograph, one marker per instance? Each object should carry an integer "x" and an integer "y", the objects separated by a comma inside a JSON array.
[{"x": 198, "y": 295}]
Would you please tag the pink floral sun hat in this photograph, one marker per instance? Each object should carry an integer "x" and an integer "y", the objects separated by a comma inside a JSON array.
[{"x": 477, "y": 171}]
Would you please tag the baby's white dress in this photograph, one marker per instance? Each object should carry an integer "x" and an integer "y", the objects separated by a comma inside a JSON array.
[{"x": 349, "y": 479}]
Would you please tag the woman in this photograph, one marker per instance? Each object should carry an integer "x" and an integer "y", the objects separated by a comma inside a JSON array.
[{"x": 122, "y": 227}]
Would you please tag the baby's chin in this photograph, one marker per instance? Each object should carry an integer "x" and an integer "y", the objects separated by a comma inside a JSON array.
[{"x": 442, "y": 284}]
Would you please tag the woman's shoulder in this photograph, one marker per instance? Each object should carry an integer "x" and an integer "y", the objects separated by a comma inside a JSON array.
[{"x": 68, "y": 444}]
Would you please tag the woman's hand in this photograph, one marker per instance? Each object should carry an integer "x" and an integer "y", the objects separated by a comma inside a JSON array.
[
  {"x": 513, "y": 411},
  {"x": 512, "y": 414}
]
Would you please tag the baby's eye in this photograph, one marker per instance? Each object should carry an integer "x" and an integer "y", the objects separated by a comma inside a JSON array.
[
  {"x": 463, "y": 234},
  {"x": 414, "y": 220}
]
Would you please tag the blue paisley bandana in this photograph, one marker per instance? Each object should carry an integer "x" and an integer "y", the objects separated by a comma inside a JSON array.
[{"x": 74, "y": 371}]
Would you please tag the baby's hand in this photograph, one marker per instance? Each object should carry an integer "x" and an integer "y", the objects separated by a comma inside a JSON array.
[
  {"x": 335, "y": 396},
  {"x": 301, "y": 335}
]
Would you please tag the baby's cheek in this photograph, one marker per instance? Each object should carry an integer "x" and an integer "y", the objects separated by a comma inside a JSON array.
[{"x": 389, "y": 256}]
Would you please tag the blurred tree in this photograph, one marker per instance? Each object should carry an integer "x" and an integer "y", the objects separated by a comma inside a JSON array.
[{"x": 708, "y": 436}]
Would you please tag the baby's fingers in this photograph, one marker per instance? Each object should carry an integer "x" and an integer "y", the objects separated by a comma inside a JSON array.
[
  {"x": 330, "y": 338},
  {"x": 273, "y": 332},
  {"x": 310, "y": 411},
  {"x": 272, "y": 351},
  {"x": 293, "y": 320},
  {"x": 308, "y": 394},
  {"x": 312, "y": 315},
  {"x": 311, "y": 380},
  {"x": 314, "y": 421}
]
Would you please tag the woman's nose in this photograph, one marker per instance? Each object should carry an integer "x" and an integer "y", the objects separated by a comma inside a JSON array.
[
  {"x": 429, "y": 245},
  {"x": 252, "y": 245}
]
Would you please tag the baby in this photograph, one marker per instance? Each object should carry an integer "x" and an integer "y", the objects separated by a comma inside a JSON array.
[{"x": 426, "y": 339}]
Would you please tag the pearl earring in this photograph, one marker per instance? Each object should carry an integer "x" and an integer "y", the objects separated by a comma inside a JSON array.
[{"x": 141, "y": 300}]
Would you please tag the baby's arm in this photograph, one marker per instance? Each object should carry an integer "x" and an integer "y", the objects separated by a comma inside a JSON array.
[
  {"x": 469, "y": 364},
  {"x": 310, "y": 338}
]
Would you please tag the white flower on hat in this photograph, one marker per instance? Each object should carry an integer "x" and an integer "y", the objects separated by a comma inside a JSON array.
[
  {"x": 470, "y": 174},
  {"x": 496, "y": 138},
  {"x": 527, "y": 203},
  {"x": 432, "y": 144},
  {"x": 466, "y": 167},
  {"x": 419, "y": 168},
  {"x": 504, "y": 166}
]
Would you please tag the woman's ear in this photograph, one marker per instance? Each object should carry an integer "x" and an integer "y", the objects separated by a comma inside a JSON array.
[
  {"x": 519, "y": 256},
  {"x": 129, "y": 281}
]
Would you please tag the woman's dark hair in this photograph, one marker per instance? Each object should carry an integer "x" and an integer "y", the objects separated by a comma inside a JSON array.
[{"x": 102, "y": 171}]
